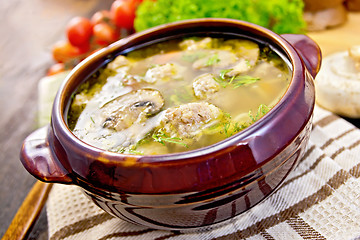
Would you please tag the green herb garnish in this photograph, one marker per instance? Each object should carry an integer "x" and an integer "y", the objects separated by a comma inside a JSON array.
[
  {"x": 224, "y": 72},
  {"x": 262, "y": 110},
  {"x": 212, "y": 60},
  {"x": 91, "y": 118},
  {"x": 236, "y": 81},
  {"x": 128, "y": 150},
  {"x": 133, "y": 151},
  {"x": 162, "y": 138},
  {"x": 230, "y": 128},
  {"x": 244, "y": 80}
]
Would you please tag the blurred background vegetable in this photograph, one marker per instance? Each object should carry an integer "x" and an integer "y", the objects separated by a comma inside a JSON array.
[
  {"x": 281, "y": 16},
  {"x": 86, "y": 35}
]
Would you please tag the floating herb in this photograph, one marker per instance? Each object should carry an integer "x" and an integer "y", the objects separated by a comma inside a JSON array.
[
  {"x": 223, "y": 72},
  {"x": 227, "y": 115},
  {"x": 221, "y": 82},
  {"x": 238, "y": 127},
  {"x": 212, "y": 60},
  {"x": 226, "y": 129},
  {"x": 128, "y": 150},
  {"x": 162, "y": 138},
  {"x": 91, "y": 118},
  {"x": 133, "y": 151},
  {"x": 236, "y": 81},
  {"x": 230, "y": 128},
  {"x": 262, "y": 110},
  {"x": 244, "y": 80}
]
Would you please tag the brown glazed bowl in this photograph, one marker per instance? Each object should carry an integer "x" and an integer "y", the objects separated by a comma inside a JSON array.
[{"x": 190, "y": 189}]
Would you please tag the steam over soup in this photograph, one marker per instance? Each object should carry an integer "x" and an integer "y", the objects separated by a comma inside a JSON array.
[{"x": 178, "y": 95}]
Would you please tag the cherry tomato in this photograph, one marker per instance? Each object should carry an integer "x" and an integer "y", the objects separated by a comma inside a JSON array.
[
  {"x": 105, "y": 34},
  {"x": 100, "y": 17},
  {"x": 56, "y": 68},
  {"x": 123, "y": 13},
  {"x": 63, "y": 51},
  {"x": 79, "y": 31}
]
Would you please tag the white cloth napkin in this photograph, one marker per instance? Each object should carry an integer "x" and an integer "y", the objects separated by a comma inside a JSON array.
[{"x": 319, "y": 200}]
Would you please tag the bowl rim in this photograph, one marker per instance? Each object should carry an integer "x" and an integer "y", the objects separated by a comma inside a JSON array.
[{"x": 60, "y": 126}]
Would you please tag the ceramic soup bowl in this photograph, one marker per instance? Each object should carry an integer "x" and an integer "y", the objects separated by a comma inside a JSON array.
[{"x": 190, "y": 189}]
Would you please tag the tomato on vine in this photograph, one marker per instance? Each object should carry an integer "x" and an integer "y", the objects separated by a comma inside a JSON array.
[
  {"x": 63, "y": 52},
  {"x": 102, "y": 16},
  {"x": 79, "y": 31},
  {"x": 123, "y": 13},
  {"x": 105, "y": 34},
  {"x": 84, "y": 36}
]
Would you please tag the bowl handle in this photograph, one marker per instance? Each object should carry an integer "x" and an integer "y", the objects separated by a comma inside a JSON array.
[
  {"x": 308, "y": 50},
  {"x": 37, "y": 158}
]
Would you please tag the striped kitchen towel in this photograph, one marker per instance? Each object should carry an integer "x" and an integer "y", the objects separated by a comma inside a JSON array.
[{"x": 319, "y": 200}]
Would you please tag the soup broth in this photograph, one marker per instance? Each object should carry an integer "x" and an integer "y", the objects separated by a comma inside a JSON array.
[{"x": 178, "y": 95}]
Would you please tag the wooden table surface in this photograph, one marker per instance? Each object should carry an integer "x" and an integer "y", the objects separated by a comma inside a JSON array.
[{"x": 28, "y": 30}]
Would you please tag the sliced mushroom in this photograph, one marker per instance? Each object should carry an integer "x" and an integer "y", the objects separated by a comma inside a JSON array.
[
  {"x": 132, "y": 107},
  {"x": 205, "y": 86}
]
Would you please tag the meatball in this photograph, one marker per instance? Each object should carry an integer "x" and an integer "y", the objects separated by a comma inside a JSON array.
[
  {"x": 205, "y": 86},
  {"x": 189, "y": 120},
  {"x": 120, "y": 61},
  {"x": 163, "y": 72}
]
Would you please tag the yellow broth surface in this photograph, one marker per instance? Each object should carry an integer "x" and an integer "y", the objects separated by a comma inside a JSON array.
[{"x": 178, "y": 95}]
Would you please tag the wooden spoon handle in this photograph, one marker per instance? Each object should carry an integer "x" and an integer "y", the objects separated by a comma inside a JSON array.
[{"x": 28, "y": 212}]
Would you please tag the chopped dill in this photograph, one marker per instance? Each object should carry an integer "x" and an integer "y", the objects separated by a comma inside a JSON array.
[
  {"x": 133, "y": 151},
  {"x": 226, "y": 128},
  {"x": 212, "y": 60},
  {"x": 230, "y": 128},
  {"x": 226, "y": 114},
  {"x": 91, "y": 118},
  {"x": 262, "y": 110},
  {"x": 162, "y": 138},
  {"x": 223, "y": 72},
  {"x": 244, "y": 80},
  {"x": 129, "y": 150},
  {"x": 235, "y": 81}
]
